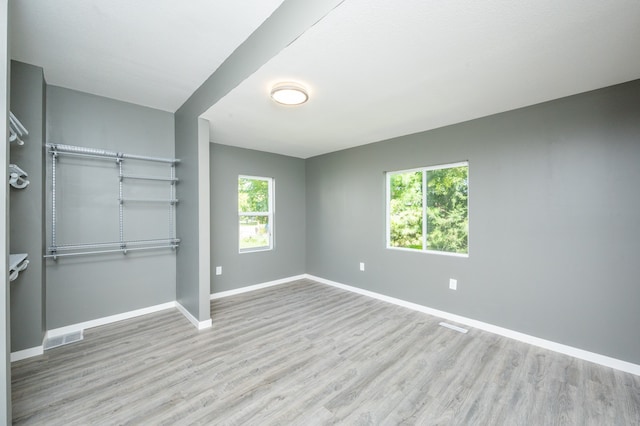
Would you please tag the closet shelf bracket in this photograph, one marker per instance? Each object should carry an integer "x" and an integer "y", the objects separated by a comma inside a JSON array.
[
  {"x": 17, "y": 177},
  {"x": 16, "y": 130},
  {"x": 17, "y": 263}
]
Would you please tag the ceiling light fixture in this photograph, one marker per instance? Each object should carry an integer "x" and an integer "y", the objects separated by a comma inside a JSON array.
[{"x": 289, "y": 94}]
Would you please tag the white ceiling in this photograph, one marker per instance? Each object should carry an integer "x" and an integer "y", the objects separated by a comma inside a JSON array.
[
  {"x": 375, "y": 69},
  {"x": 154, "y": 53}
]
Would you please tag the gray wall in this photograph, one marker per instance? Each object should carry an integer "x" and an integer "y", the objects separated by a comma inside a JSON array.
[
  {"x": 288, "y": 255},
  {"x": 288, "y": 22},
  {"x": 89, "y": 287},
  {"x": 27, "y": 208},
  {"x": 554, "y": 231},
  {"x": 188, "y": 284}
]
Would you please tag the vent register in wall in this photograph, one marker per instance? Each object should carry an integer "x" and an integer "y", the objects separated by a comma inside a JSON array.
[
  {"x": 17, "y": 179},
  {"x": 65, "y": 339},
  {"x": 119, "y": 159}
]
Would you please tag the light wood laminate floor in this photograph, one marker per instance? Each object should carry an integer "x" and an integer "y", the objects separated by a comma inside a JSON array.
[{"x": 304, "y": 353}]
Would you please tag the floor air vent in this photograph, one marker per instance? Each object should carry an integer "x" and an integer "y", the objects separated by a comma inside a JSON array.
[
  {"x": 65, "y": 339},
  {"x": 454, "y": 327}
]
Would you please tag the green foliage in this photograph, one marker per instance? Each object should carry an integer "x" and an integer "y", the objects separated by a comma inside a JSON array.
[
  {"x": 406, "y": 210},
  {"x": 253, "y": 195},
  {"x": 447, "y": 215},
  {"x": 254, "y": 232},
  {"x": 447, "y": 212}
]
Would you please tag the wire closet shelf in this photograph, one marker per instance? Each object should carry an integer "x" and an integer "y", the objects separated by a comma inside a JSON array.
[{"x": 55, "y": 250}]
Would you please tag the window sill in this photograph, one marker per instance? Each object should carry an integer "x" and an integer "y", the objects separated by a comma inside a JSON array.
[
  {"x": 440, "y": 253},
  {"x": 254, "y": 250}
]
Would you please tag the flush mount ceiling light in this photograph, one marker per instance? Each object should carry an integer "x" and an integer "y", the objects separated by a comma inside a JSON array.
[{"x": 289, "y": 94}]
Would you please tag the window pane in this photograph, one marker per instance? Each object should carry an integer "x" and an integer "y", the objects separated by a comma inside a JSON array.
[
  {"x": 405, "y": 209},
  {"x": 253, "y": 195},
  {"x": 254, "y": 232},
  {"x": 447, "y": 216}
]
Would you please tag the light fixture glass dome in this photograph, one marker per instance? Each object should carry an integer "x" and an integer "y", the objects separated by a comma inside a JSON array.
[{"x": 289, "y": 94}]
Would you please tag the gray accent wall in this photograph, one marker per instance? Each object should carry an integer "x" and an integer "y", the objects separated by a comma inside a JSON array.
[
  {"x": 89, "y": 287},
  {"x": 554, "y": 230},
  {"x": 28, "y": 208},
  {"x": 287, "y": 258}
]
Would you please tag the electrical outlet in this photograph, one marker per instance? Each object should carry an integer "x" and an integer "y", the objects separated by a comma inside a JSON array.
[
  {"x": 362, "y": 266},
  {"x": 453, "y": 284},
  {"x": 218, "y": 270}
]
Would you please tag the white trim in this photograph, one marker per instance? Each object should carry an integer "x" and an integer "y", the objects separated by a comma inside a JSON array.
[
  {"x": 108, "y": 320},
  {"x": 270, "y": 214},
  {"x": 204, "y": 225},
  {"x": 200, "y": 325},
  {"x": 454, "y": 327},
  {"x": 532, "y": 340},
  {"x": 440, "y": 253},
  {"x": 425, "y": 212},
  {"x": 251, "y": 177},
  {"x": 255, "y": 250},
  {"x": 124, "y": 316},
  {"x": 425, "y": 231},
  {"x": 221, "y": 294},
  {"x": 27, "y": 353},
  {"x": 387, "y": 209},
  {"x": 434, "y": 167}
]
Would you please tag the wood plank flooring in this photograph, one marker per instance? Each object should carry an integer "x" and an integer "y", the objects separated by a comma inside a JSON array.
[{"x": 307, "y": 354}]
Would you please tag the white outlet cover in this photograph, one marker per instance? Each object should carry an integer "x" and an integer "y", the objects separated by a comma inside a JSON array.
[
  {"x": 453, "y": 284},
  {"x": 218, "y": 270},
  {"x": 362, "y": 266}
]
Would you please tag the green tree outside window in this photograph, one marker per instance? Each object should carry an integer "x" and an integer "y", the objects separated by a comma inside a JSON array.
[
  {"x": 443, "y": 205},
  {"x": 255, "y": 213}
]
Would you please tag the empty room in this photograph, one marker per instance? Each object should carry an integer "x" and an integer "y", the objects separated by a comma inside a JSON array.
[{"x": 354, "y": 212}]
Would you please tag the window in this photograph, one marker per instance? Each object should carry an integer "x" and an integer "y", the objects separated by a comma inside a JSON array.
[
  {"x": 255, "y": 213},
  {"x": 427, "y": 209}
]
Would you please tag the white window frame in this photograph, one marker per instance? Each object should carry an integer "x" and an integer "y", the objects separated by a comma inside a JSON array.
[
  {"x": 424, "y": 171},
  {"x": 269, "y": 214}
]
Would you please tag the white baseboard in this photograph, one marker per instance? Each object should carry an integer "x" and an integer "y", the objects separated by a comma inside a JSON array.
[
  {"x": 532, "y": 340},
  {"x": 200, "y": 325},
  {"x": 254, "y": 287},
  {"x": 39, "y": 350},
  {"x": 26, "y": 353},
  {"x": 108, "y": 320}
]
